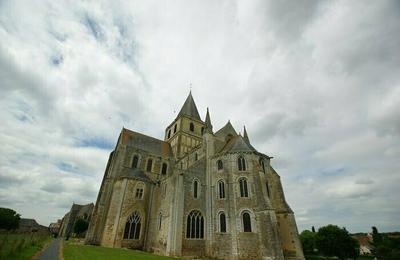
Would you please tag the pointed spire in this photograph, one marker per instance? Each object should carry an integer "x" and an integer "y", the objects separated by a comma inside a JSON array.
[
  {"x": 209, "y": 127},
  {"x": 189, "y": 108},
  {"x": 245, "y": 136}
]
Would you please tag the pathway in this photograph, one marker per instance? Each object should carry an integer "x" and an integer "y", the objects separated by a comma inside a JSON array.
[{"x": 51, "y": 252}]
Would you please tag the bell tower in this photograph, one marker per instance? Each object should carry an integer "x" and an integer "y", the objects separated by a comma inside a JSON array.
[{"x": 186, "y": 131}]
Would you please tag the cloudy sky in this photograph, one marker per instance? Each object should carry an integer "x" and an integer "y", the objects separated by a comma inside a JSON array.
[{"x": 316, "y": 83}]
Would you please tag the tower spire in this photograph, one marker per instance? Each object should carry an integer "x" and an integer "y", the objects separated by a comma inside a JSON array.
[
  {"x": 208, "y": 122},
  {"x": 189, "y": 108}
]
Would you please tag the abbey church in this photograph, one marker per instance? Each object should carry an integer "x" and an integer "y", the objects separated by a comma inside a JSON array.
[{"x": 197, "y": 193}]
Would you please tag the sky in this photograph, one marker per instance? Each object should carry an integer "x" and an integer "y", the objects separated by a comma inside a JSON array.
[{"x": 315, "y": 82}]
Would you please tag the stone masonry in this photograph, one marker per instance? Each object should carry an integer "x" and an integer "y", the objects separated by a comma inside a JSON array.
[{"x": 197, "y": 193}]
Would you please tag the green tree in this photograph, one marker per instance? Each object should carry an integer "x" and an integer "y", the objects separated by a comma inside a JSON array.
[
  {"x": 307, "y": 239},
  {"x": 80, "y": 226},
  {"x": 334, "y": 241},
  {"x": 9, "y": 219}
]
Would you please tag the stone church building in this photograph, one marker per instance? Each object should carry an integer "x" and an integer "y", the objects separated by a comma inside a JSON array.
[{"x": 196, "y": 193}]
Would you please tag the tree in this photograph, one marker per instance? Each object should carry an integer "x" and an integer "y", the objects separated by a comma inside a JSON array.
[
  {"x": 80, "y": 226},
  {"x": 376, "y": 236},
  {"x": 313, "y": 229},
  {"x": 9, "y": 219},
  {"x": 307, "y": 239},
  {"x": 334, "y": 241}
]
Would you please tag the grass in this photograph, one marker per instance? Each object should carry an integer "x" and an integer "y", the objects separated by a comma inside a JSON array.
[
  {"x": 315, "y": 257},
  {"x": 75, "y": 252},
  {"x": 21, "y": 246}
]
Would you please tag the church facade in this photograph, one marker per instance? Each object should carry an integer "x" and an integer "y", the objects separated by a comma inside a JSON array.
[{"x": 196, "y": 193}]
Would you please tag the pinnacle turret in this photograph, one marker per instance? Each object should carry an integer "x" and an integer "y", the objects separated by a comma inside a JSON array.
[{"x": 209, "y": 127}]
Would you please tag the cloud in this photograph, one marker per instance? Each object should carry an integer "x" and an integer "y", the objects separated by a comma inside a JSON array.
[{"x": 315, "y": 83}]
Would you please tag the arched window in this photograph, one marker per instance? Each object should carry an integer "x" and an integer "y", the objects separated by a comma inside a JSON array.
[
  {"x": 191, "y": 127},
  {"x": 246, "y": 222},
  {"x": 195, "y": 225},
  {"x": 132, "y": 226},
  {"x": 243, "y": 188},
  {"x": 268, "y": 192},
  {"x": 202, "y": 130},
  {"x": 169, "y": 133},
  {"x": 175, "y": 129},
  {"x": 221, "y": 189},
  {"x": 262, "y": 165},
  {"x": 195, "y": 189},
  {"x": 149, "y": 165},
  {"x": 220, "y": 165},
  {"x": 135, "y": 161},
  {"x": 241, "y": 163},
  {"x": 164, "y": 169},
  {"x": 222, "y": 222},
  {"x": 159, "y": 221},
  {"x": 196, "y": 157}
]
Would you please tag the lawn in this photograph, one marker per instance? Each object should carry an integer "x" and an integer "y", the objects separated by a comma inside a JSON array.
[
  {"x": 75, "y": 252},
  {"x": 22, "y": 246}
]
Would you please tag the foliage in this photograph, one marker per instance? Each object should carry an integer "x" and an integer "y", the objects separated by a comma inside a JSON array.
[
  {"x": 76, "y": 252},
  {"x": 9, "y": 219},
  {"x": 386, "y": 248},
  {"x": 307, "y": 239},
  {"x": 334, "y": 241},
  {"x": 21, "y": 246},
  {"x": 80, "y": 226}
]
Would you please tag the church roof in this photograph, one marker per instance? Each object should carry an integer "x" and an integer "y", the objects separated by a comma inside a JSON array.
[
  {"x": 226, "y": 130},
  {"x": 189, "y": 108},
  {"x": 146, "y": 143},
  {"x": 237, "y": 144},
  {"x": 134, "y": 174}
]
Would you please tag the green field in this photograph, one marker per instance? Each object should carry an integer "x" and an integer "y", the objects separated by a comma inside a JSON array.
[
  {"x": 21, "y": 246},
  {"x": 76, "y": 252}
]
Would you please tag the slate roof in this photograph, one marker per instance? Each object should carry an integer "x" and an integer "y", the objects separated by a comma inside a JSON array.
[
  {"x": 237, "y": 144},
  {"x": 134, "y": 174},
  {"x": 146, "y": 143},
  {"x": 226, "y": 130},
  {"x": 189, "y": 108}
]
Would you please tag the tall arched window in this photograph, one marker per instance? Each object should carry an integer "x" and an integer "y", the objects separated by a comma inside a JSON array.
[
  {"x": 268, "y": 192},
  {"x": 135, "y": 161},
  {"x": 222, "y": 222},
  {"x": 195, "y": 189},
  {"x": 164, "y": 169},
  {"x": 132, "y": 226},
  {"x": 241, "y": 163},
  {"x": 149, "y": 165},
  {"x": 202, "y": 130},
  {"x": 175, "y": 129},
  {"x": 159, "y": 221},
  {"x": 262, "y": 165},
  {"x": 243, "y": 187},
  {"x": 221, "y": 189},
  {"x": 246, "y": 222},
  {"x": 196, "y": 157},
  {"x": 195, "y": 225},
  {"x": 191, "y": 127},
  {"x": 169, "y": 133},
  {"x": 220, "y": 165}
]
